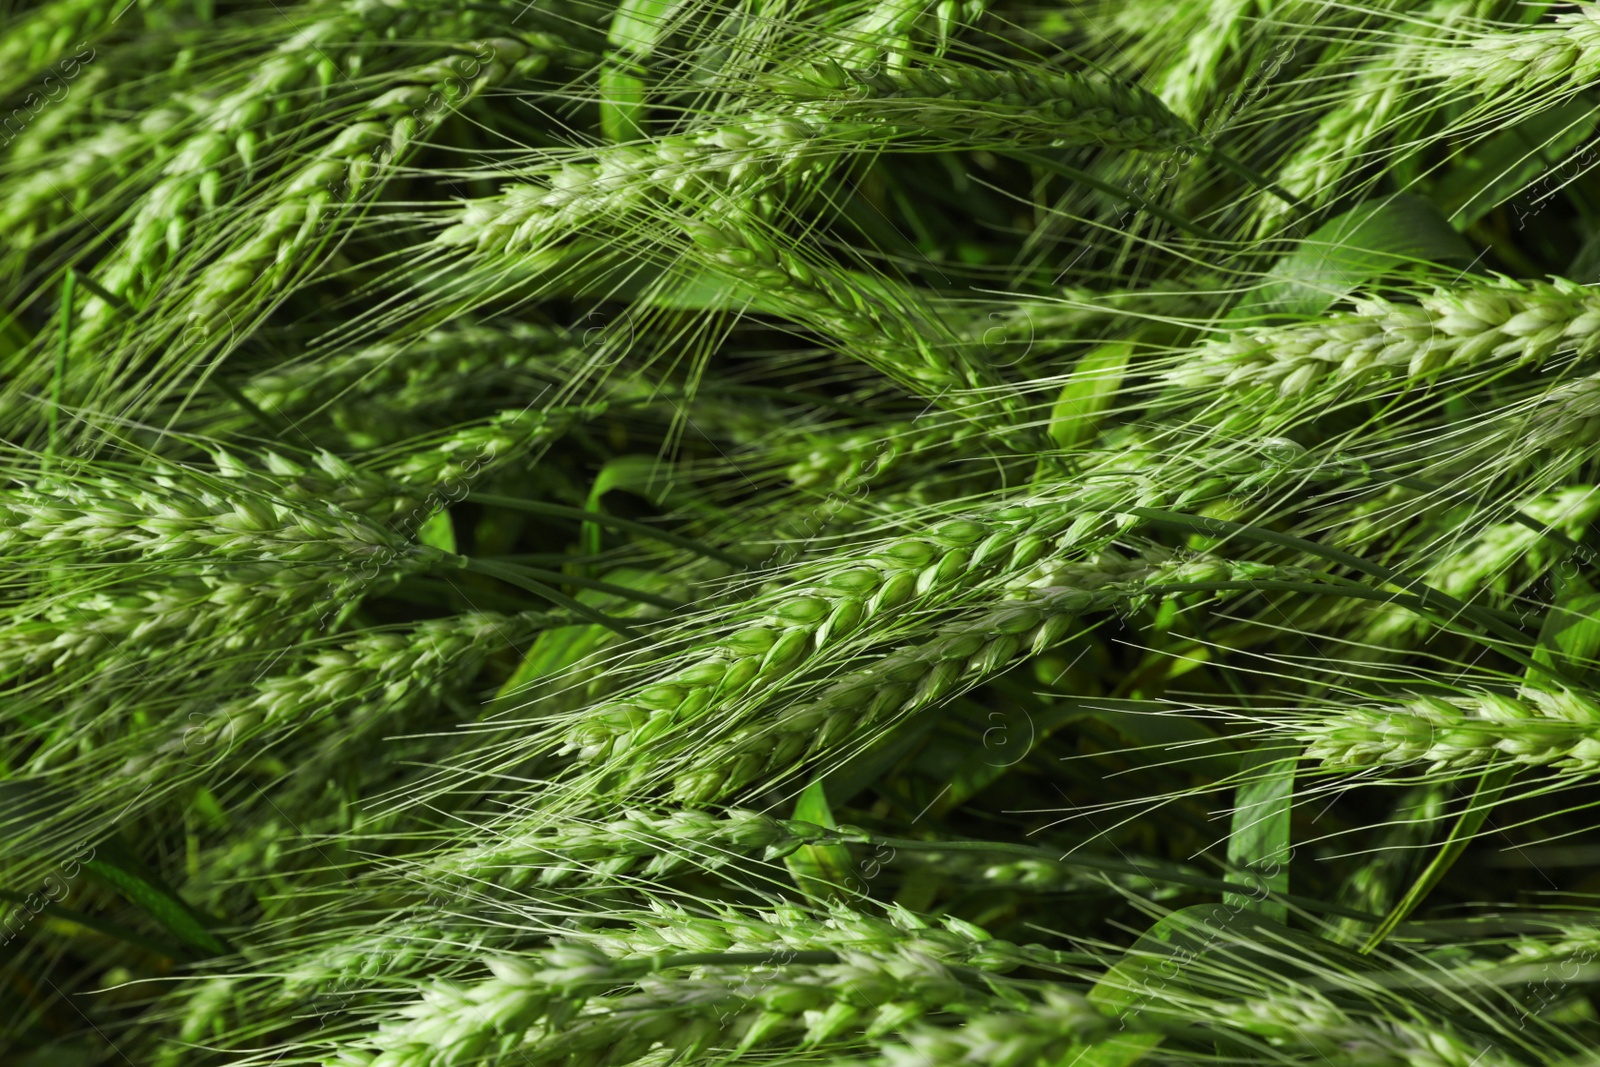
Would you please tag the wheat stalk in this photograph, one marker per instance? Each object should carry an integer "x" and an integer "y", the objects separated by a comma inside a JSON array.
[
  {"x": 1534, "y": 729},
  {"x": 1565, "y": 52},
  {"x": 1449, "y": 330},
  {"x": 832, "y": 970}
]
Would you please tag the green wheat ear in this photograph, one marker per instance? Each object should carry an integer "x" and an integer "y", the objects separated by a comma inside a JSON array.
[{"x": 656, "y": 532}]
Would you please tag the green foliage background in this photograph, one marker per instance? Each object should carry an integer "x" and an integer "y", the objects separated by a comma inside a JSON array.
[{"x": 866, "y": 533}]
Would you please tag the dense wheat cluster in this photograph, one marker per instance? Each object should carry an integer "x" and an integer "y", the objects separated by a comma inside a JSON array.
[{"x": 873, "y": 533}]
